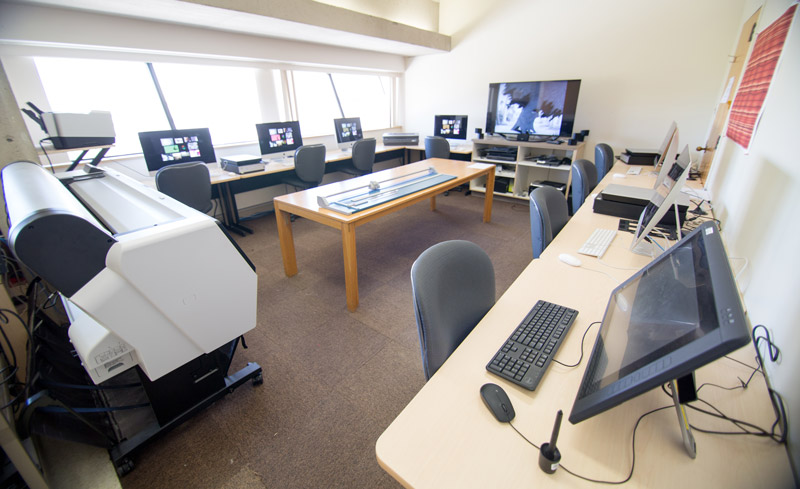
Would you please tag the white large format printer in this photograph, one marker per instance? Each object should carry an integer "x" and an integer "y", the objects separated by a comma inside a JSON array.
[{"x": 145, "y": 280}]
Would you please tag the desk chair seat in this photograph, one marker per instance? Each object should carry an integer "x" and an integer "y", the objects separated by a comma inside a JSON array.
[
  {"x": 549, "y": 214},
  {"x": 453, "y": 287},
  {"x": 188, "y": 183},
  {"x": 603, "y": 159},
  {"x": 363, "y": 157},
  {"x": 309, "y": 167},
  {"x": 584, "y": 180}
]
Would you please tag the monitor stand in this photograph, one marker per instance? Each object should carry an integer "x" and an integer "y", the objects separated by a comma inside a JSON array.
[{"x": 687, "y": 384}]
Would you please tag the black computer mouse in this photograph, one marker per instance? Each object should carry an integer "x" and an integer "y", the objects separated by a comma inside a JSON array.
[{"x": 498, "y": 402}]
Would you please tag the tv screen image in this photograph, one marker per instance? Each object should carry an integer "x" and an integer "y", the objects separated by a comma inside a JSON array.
[
  {"x": 543, "y": 108},
  {"x": 450, "y": 126},
  {"x": 279, "y": 139},
  {"x": 162, "y": 148}
]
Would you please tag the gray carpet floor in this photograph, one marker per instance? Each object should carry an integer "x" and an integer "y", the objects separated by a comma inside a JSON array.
[{"x": 333, "y": 380}]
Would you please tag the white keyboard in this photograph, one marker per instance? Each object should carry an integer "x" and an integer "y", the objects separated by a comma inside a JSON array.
[
  {"x": 598, "y": 242},
  {"x": 634, "y": 170}
]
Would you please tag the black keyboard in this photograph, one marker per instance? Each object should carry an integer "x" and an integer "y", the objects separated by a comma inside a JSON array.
[{"x": 525, "y": 356}]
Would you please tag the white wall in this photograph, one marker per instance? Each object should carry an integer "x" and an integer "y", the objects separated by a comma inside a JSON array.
[
  {"x": 757, "y": 197},
  {"x": 642, "y": 64}
]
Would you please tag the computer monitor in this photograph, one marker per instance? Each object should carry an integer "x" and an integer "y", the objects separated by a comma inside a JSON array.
[
  {"x": 667, "y": 153},
  {"x": 542, "y": 109},
  {"x": 663, "y": 198},
  {"x": 348, "y": 131},
  {"x": 279, "y": 140},
  {"x": 162, "y": 148},
  {"x": 450, "y": 126},
  {"x": 678, "y": 313}
]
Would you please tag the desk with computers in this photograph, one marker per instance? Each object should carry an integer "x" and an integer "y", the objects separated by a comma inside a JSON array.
[{"x": 671, "y": 329}]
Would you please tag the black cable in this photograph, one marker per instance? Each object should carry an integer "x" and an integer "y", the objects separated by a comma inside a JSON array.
[
  {"x": 582, "y": 339},
  {"x": 41, "y": 146},
  {"x": 633, "y": 451}
]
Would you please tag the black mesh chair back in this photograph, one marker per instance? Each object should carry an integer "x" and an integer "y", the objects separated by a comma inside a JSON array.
[
  {"x": 437, "y": 147},
  {"x": 188, "y": 183},
  {"x": 309, "y": 167}
]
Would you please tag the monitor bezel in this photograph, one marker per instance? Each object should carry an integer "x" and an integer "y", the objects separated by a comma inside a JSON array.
[
  {"x": 732, "y": 333},
  {"x": 437, "y": 126},
  {"x": 152, "y": 152},
  {"x": 262, "y": 131},
  {"x": 568, "y": 113}
]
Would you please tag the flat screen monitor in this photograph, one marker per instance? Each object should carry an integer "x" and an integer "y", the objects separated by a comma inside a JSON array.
[
  {"x": 541, "y": 108},
  {"x": 673, "y": 316},
  {"x": 279, "y": 140},
  {"x": 162, "y": 148},
  {"x": 450, "y": 126},
  {"x": 664, "y": 196},
  {"x": 348, "y": 131},
  {"x": 667, "y": 153}
]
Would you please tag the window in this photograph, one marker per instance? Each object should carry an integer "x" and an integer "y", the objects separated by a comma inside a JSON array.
[
  {"x": 222, "y": 98},
  {"x": 121, "y": 87},
  {"x": 366, "y": 96}
]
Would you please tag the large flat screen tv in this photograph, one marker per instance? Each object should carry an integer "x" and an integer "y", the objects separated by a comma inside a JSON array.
[
  {"x": 675, "y": 315},
  {"x": 538, "y": 108}
]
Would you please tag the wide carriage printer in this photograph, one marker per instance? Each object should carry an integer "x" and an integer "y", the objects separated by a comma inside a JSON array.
[
  {"x": 400, "y": 139},
  {"x": 628, "y": 202},
  {"x": 146, "y": 281},
  {"x": 241, "y": 163}
]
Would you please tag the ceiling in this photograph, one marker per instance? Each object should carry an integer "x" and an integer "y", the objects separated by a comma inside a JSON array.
[{"x": 300, "y": 20}]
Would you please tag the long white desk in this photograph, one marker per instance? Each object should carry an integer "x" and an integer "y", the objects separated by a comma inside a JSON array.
[{"x": 446, "y": 437}]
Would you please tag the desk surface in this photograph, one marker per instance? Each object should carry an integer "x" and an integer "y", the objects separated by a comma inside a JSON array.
[
  {"x": 446, "y": 437},
  {"x": 305, "y": 204}
]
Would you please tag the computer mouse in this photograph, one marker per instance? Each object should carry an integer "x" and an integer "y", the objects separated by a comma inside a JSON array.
[
  {"x": 569, "y": 259},
  {"x": 498, "y": 402}
]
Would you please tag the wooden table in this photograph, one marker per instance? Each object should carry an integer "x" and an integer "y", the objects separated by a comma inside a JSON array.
[
  {"x": 446, "y": 437},
  {"x": 304, "y": 204}
]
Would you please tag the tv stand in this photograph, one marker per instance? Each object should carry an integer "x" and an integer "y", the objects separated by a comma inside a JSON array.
[{"x": 523, "y": 164}]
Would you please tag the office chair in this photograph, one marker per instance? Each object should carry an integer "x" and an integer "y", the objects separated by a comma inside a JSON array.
[
  {"x": 363, "y": 157},
  {"x": 549, "y": 214},
  {"x": 437, "y": 147},
  {"x": 584, "y": 179},
  {"x": 188, "y": 183},
  {"x": 603, "y": 159},
  {"x": 309, "y": 167},
  {"x": 453, "y": 287}
]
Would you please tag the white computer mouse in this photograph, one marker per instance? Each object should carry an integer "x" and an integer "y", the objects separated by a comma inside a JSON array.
[
  {"x": 569, "y": 259},
  {"x": 619, "y": 175}
]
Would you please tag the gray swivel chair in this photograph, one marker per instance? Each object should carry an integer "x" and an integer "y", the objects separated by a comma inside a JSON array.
[
  {"x": 437, "y": 147},
  {"x": 603, "y": 159},
  {"x": 363, "y": 156},
  {"x": 189, "y": 183},
  {"x": 453, "y": 287},
  {"x": 584, "y": 179},
  {"x": 549, "y": 214},
  {"x": 309, "y": 167}
]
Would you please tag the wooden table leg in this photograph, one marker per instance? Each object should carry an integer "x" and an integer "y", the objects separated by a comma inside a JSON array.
[
  {"x": 487, "y": 205},
  {"x": 350, "y": 266},
  {"x": 287, "y": 241},
  {"x": 433, "y": 202}
]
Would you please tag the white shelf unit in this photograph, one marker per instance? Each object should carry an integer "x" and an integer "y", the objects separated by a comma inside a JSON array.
[{"x": 524, "y": 170}]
